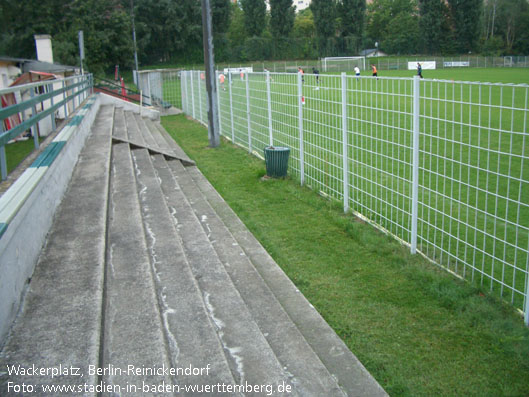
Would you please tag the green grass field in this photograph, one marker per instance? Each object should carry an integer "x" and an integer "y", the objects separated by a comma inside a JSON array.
[
  {"x": 16, "y": 152},
  {"x": 490, "y": 75},
  {"x": 416, "y": 328},
  {"x": 473, "y": 158}
]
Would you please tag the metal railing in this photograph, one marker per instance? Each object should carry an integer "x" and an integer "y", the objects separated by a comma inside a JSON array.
[
  {"x": 161, "y": 86},
  {"x": 442, "y": 166},
  {"x": 35, "y": 107}
]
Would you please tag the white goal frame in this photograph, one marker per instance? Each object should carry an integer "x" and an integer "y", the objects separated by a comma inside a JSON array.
[{"x": 324, "y": 61}]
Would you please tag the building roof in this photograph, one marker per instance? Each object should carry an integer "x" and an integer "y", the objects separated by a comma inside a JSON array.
[{"x": 27, "y": 65}]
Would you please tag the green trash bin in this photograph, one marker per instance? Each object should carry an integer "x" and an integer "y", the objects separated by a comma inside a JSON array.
[{"x": 276, "y": 159}]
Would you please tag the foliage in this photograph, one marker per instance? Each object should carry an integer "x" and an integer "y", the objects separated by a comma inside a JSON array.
[
  {"x": 254, "y": 16},
  {"x": 352, "y": 15},
  {"x": 170, "y": 31},
  {"x": 102, "y": 21},
  {"x": 384, "y": 19},
  {"x": 169, "y": 27},
  {"x": 465, "y": 18},
  {"x": 324, "y": 13},
  {"x": 433, "y": 25},
  {"x": 282, "y": 14}
]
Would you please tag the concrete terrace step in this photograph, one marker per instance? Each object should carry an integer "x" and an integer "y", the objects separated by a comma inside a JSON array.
[
  {"x": 172, "y": 144},
  {"x": 133, "y": 331},
  {"x": 191, "y": 335},
  {"x": 349, "y": 372},
  {"x": 145, "y": 133},
  {"x": 248, "y": 353},
  {"x": 60, "y": 321},
  {"x": 310, "y": 376},
  {"x": 133, "y": 131},
  {"x": 156, "y": 134},
  {"x": 120, "y": 127}
]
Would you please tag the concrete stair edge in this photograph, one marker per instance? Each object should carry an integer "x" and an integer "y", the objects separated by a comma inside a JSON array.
[
  {"x": 289, "y": 345},
  {"x": 133, "y": 333},
  {"x": 350, "y": 373},
  {"x": 176, "y": 148},
  {"x": 192, "y": 337},
  {"x": 248, "y": 352}
]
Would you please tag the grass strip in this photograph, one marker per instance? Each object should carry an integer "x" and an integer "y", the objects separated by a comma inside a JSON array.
[
  {"x": 16, "y": 152},
  {"x": 416, "y": 328}
]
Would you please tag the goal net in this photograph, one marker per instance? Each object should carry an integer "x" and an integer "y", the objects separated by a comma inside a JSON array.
[{"x": 343, "y": 64}]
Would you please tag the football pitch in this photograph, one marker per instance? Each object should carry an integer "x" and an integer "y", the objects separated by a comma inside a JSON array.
[{"x": 352, "y": 140}]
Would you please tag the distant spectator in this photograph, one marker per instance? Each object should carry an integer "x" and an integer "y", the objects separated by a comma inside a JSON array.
[
  {"x": 419, "y": 70},
  {"x": 317, "y": 74},
  {"x": 374, "y": 69}
]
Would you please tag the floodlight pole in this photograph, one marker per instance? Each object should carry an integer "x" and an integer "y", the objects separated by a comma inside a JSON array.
[
  {"x": 211, "y": 86},
  {"x": 134, "y": 39}
]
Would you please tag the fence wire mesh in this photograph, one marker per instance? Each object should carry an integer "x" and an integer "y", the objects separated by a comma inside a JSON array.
[{"x": 371, "y": 142}]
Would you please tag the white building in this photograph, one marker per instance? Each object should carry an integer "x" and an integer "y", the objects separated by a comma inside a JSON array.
[
  {"x": 20, "y": 71},
  {"x": 301, "y": 4}
]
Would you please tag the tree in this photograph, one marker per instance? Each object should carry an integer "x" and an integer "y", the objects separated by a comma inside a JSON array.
[
  {"x": 352, "y": 14},
  {"x": 324, "y": 12},
  {"x": 220, "y": 10},
  {"x": 384, "y": 19},
  {"x": 433, "y": 25},
  {"x": 254, "y": 16},
  {"x": 304, "y": 24},
  {"x": 403, "y": 34},
  {"x": 511, "y": 24},
  {"x": 465, "y": 16},
  {"x": 282, "y": 14}
]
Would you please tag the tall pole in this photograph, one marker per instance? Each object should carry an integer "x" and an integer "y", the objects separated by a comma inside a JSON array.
[
  {"x": 81, "y": 49},
  {"x": 134, "y": 39},
  {"x": 211, "y": 86}
]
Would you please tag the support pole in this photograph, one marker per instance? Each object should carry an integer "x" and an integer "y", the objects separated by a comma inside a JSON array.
[
  {"x": 230, "y": 82},
  {"x": 248, "y": 113},
  {"x": 3, "y": 160},
  {"x": 269, "y": 100},
  {"x": 345, "y": 143},
  {"x": 300, "y": 131},
  {"x": 218, "y": 106},
  {"x": 211, "y": 84},
  {"x": 415, "y": 163}
]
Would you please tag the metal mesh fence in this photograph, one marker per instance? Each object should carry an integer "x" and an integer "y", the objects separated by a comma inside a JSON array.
[{"x": 443, "y": 166}]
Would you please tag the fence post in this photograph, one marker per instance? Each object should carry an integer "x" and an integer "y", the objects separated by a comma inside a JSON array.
[
  {"x": 415, "y": 163},
  {"x": 64, "y": 99},
  {"x": 183, "y": 94},
  {"x": 248, "y": 113},
  {"x": 231, "y": 109},
  {"x": 218, "y": 103},
  {"x": 200, "y": 96},
  {"x": 269, "y": 100},
  {"x": 53, "y": 126},
  {"x": 300, "y": 127},
  {"x": 3, "y": 161},
  {"x": 526, "y": 311},
  {"x": 188, "y": 94},
  {"x": 345, "y": 149},
  {"x": 192, "y": 96},
  {"x": 34, "y": 127}
]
